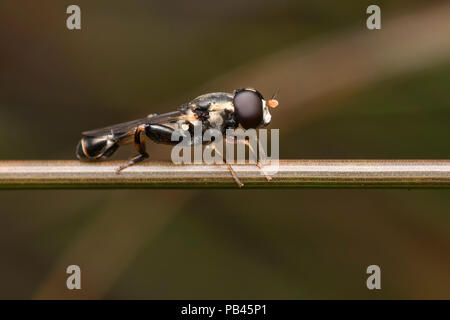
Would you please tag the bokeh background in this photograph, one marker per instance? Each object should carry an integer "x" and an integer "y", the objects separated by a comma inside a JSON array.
[{"x": 345, "y": 92}]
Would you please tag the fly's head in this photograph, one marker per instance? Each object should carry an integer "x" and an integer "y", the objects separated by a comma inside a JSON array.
[{"x": 251, "y": 110}]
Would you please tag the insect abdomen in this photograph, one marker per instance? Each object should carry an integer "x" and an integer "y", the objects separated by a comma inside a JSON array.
[{"x": 95, "y": 148}]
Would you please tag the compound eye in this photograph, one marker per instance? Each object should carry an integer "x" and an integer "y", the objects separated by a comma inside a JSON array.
[{"x": 248, "y": 108}]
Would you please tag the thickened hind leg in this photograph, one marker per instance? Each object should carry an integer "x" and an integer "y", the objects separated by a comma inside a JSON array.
[{"x": 140, "y": 147}]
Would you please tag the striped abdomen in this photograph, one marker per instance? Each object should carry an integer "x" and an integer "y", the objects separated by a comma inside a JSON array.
[{"x": 96, "y": 148}]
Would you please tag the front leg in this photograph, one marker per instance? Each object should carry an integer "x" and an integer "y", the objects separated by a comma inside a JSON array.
[{"x": 233, "y": 140}]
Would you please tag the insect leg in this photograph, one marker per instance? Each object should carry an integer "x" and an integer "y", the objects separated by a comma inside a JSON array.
[
  {"x": 233, "y": 173},
  {"x": 140, "y": 147},
  {"x": 258, "y": 164}
]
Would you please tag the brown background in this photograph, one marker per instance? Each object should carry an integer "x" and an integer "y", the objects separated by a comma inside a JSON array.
[{"x": 345, "y": 92}]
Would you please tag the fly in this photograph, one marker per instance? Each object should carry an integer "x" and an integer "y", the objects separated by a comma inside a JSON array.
[{"x": 244, "y": 108}]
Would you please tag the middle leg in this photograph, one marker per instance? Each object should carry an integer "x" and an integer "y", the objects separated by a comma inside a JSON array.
[{"x": 230, "y": 168}]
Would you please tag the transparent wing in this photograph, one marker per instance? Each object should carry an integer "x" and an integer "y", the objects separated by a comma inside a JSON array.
[{"x": 121, "y": 129}]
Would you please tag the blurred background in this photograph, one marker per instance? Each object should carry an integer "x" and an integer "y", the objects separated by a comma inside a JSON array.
[{"x": 345, "y": 92}]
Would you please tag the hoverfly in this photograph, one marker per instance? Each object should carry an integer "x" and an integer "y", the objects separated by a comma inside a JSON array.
[{"x": 244, "y": 107}]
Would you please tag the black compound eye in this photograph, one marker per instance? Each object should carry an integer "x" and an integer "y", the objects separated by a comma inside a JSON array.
[{"x": 248, "y": 108}]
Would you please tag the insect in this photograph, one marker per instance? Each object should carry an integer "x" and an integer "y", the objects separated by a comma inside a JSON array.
[{"x": 244, "y": 107}]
